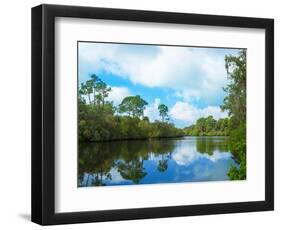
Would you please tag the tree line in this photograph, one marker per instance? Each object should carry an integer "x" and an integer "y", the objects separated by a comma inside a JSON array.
[
  {"x": 209, "y": 127},
  {"x": 100, "y": 120}
]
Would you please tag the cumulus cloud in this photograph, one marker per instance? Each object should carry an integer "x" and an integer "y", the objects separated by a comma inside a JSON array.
[
  {"x": 117, "y": 94},
  {"x": 187, "y": 113},
  {"x": 192, "y": 72},
  {"x": 188, "y": 154},
  {"x": 151, "y": 111}
]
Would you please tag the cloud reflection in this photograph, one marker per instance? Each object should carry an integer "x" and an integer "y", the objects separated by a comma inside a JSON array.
[{"x": 187, "y": 154}]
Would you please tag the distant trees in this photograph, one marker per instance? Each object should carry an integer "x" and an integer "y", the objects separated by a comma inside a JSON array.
[
  {"x": 209, "y": 127},
  {"x": 133, "y": 105},
  {"x": 163, "y": 112}
]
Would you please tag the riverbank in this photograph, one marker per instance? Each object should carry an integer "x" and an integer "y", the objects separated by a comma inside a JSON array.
[
  {"x": 153, "y": 138},
  {"x": 104, "y": 126},
  {"x": 135, "y": 139}
]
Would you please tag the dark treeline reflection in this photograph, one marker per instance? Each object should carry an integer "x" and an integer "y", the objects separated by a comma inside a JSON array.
[
  {"x": 98, "y": 160},
  {"x": 209, "y": 144}
]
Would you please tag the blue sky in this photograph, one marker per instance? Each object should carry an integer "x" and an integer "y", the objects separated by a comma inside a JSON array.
[{"x": 188, "y": 80}]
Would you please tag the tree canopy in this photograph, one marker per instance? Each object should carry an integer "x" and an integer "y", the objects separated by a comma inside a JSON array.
[
  {"x": 133, "y": 106},
  {"x": 163, "y": 111},
  {"x": 208, "y": 126}
]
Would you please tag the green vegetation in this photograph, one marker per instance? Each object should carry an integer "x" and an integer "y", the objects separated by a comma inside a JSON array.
[
  {"x": 133, "y": 105},
  {"x": 163, "y": 112},
  {"x": 99, "y": 120},
  {"x": 235, "y": 103},
  {"x": 208, "y": 127}
]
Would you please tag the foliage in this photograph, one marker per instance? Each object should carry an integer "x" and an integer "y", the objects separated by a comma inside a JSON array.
[
  {"x": 133, "y": 105},
  {"x": 99, "y": 120},
  {"x": 238, "y": 149},
  {"x": 209, "y": 127},
  {"x": 95, "y": 87},
  {"x": 235, "y": 103},
  {"x": 163, "y": 112}
]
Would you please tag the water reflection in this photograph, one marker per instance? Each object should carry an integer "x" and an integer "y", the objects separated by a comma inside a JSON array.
[{"x": 156, "y": 161}]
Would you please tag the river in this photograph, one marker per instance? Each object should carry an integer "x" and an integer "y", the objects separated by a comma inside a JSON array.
[{"x": 187, "y": 159}]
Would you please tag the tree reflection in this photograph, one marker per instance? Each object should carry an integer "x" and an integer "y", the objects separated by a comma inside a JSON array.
[
  {"x": 208, "y": 145},
  {"x": 132, "y": 170},
  {"x": 104, "y": 163},
  {"x": 96, "y": 160},
  {"x": 162, "y": 165}
]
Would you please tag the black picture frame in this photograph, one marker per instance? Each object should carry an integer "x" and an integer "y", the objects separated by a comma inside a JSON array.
[{"x": 43, "y": 114}]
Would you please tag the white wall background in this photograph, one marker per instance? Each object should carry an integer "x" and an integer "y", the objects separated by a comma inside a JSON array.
[{"x": 15, "y": 113}]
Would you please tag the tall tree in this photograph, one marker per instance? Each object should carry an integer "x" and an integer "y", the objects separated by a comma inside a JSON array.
[
  {"x": 163, "y": 111},
  {"x": 133, "y": 105},
  {"x": 81, "y": 92},
  {"x": 210, "y": 124},
  {"x": 89, "y": 89},
  {"x": 95, "y": 79},
  {"x": 103, "y": 91},
  {"x": 235, "y": 101}
]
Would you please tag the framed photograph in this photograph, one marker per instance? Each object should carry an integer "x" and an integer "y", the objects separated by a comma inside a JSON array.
[{"x": 142, "y": 114}]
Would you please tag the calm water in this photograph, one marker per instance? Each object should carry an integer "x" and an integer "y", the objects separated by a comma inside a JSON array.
[{"x": 185, "y": 159}]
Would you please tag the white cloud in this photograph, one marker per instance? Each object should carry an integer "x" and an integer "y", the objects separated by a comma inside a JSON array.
[
  {"x": 115, "y": 176},
  {"x": 151, "y": 111},
  {"x": 187, "y": 113},
  {"x": 184, "y": 112},
  {"x": 117, "y": 94},
  {"x": 193, "y": 72},
  {"x": 188, "y": 154}
]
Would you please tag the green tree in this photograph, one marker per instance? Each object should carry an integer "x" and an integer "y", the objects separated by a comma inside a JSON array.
[
  {"x": 235, "y": 104},
  {"x": 82, "y": 92},
  {"x": 133, "y": 105},
  {"x": 201, "y": 126},
  {"x": 95, "y": 80},
  {"x": 89, "y": 89},
  {"x": 163, "y": 111},
  {"x": 102, "y": 92},
  {"x": 235, "y": 101},
  {"x": 209, "y": 127}
]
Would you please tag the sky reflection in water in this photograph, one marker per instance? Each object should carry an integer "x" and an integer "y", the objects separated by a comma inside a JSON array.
[{"x": 187, "y": 159}]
